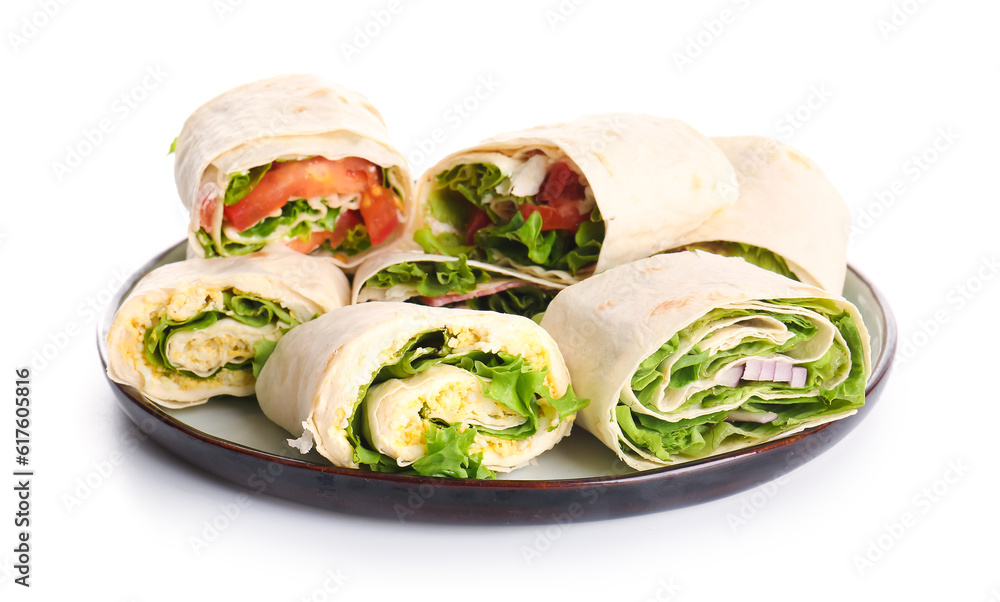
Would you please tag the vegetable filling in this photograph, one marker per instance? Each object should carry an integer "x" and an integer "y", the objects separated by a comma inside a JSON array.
[
  {"x": 733, "y": 391},
  {"x": 344, "y": 206},
  {"x": 456, "y": 284},
  {"x": 238, "y": 333},
  {"x": 437, "y": 411},
  {"x": 544, "y": 217}
]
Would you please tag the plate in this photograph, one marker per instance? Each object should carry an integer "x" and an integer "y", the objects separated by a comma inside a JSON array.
[{"x": 578, "y": 480}]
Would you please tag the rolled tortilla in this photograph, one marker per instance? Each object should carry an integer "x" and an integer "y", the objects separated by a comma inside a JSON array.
[
  {"x": 687, "y": 355},
  {"x": 603, "y": 190},
  {"x": 246, "y": 158},
  {"x": 194, "y": 329},
  {"x": 443, "y": 281},
  {"x": 789, "y": 218},
  {"x": 431, "y": 390}
]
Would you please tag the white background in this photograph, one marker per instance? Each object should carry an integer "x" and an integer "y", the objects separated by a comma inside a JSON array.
[{"x": 869, "y": 94}]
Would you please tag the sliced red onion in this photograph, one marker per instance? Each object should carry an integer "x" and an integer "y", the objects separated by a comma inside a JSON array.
[
  {"x": 778, "y": 371},
  {"x": 783, "y": 372},
  {"x": 730, "y": 377},
  {"x": 799, "y": 375},
  {"x": 752, "y": 369},
  {"x": 767, "y": 371}
]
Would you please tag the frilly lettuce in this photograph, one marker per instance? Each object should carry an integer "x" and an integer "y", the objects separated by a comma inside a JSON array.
[
  {"x": 528, "y": 301},
  {"x": 432, "y": 278},
  {"x": 465, "y": 188}
]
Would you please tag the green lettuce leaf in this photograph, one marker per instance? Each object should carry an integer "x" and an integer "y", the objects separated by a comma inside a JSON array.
[
  {"x": 528, "y": 301},
  {"x": 463, "y": 189},
  {"x": 446, "y": 243},
  {"x": 262, "y": 352},
  {"x": 433, "y": 278},
  {"x": 758, "y": 256},
  {"x": 240, "y": 184},
  {"x": 291, "y": 213},
  {"x": 588, "y": 240},
  {"x": 475, "y": 182},
  {"x": 521, "y": 240},
  {"x": 448, "y": 455},
  {"x": 356, "y": 241},
  {"x": 665, "y": 439},
  {"x": 206, "y": 243}
]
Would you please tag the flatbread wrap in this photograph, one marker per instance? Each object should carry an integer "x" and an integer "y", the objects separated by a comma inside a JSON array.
[
  {"x": 788, "y": 219},
  {"x": 691, "y": 354},
  {"x": 434, "y": 391},
  {"x": 195, "y": 329},
  {"x": 564, "y": 201},
  {"x": 291, "y": 160}
]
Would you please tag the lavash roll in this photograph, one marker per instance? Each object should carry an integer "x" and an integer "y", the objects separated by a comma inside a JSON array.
[
  {"x": 336, "y": 384},
  {"x": 288, "y": 117},
  {"x": 664, "y": 348},
  {"x": 189, "y": 365},
  {"x": 651, "y": 178}
]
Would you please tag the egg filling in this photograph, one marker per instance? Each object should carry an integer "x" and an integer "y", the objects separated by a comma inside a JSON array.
[
  {"x": 444, "y": 407},
  {"x": 197, "y": 335}
]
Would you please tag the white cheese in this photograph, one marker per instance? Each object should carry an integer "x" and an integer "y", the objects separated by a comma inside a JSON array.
[{"x": 527, "y": 178}]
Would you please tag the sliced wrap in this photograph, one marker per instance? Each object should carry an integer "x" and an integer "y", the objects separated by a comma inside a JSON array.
[
  {"x": 443, "y": 281},
  {"x": 291, "y": 160},
  {"x": 563, "y": 201},
  {"x": 789, "y": 218},
  {"x": 687, "y": 355},
  {"x": 203, "y": 327},
  {"x": 427, "y": 390}
]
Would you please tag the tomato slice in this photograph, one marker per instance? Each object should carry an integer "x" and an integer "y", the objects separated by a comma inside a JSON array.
[
  {"x": 563, "y": 216},
  {"x": 559, "y": 199},
  {"x": 310, "y": 244},
  {"x": 561, "y": 184},
  {"x": 303, "y": 179},
  {"x": 345, "y": 222},
  {"x": 480, "y": 219},
  {"x": 378, "y": 211}
]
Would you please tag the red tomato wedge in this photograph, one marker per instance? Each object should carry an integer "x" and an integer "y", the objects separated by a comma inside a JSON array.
[
  {"x": 310, "y": 244},
  {"x": 560, "y": 195},
  {"x": 563, "y": 216},
  {"x": 378, "y": 210},
  {"x": 304, "y": 179},
  {"x": 561, "y": 184},
  {"x": 479, "y": 219},
  {"x": 345, "y": 222}
]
